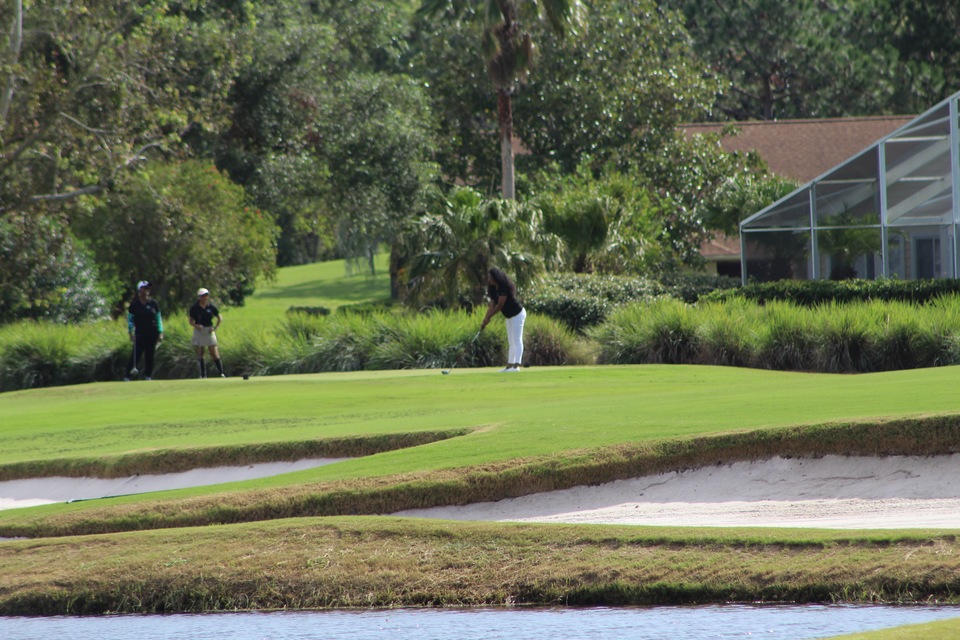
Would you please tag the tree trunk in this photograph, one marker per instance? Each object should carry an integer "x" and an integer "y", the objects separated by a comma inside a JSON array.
[
  {"x": 396, "y": 263},
  {"x": 16, "y": 40},
  {"x": 505, "y": 111}
]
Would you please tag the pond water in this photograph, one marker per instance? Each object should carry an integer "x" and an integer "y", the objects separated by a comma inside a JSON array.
[{"x": 770, "y": 622}]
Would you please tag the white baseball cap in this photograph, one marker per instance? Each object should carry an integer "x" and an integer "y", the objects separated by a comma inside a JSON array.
[
  {"x": 142, "y": 284},
  {"x": 202, "y": 292}
]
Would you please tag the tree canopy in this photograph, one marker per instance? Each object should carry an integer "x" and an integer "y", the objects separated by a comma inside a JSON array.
[{"x": 306, "y": 130}]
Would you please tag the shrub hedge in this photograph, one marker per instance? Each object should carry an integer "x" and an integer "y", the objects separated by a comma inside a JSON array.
[
  {"x": 582, "y": 301},
  {"x": 814, "y": 292}
]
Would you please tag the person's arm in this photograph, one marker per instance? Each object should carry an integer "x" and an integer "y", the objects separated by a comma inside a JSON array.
[
  {"x": 492, "y": 310},
  {"x": 159, "y": 326},
  {"x": 130, "y": 329}
]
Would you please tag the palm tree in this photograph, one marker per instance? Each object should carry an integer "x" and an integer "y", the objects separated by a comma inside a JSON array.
[
  {"x": 508, "y": 51},
  {"x": 464, "y": 235}
]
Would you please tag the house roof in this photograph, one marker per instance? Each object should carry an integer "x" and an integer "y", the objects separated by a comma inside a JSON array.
[
  {"x": 721, "y": 248},
  {"x": 803, "y": 149}
]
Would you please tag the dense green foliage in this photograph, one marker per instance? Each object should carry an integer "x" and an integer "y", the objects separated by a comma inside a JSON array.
[
  {"x": 814, "y": 59},
  {"x": 335, "y": 122},
  {"x": 182, "y": 226},
  {"x": 816, "y": 292},
  {"x": 45, "y": 273},
  {"x": 452, "y": 247},
  {"x": 614, "y": 91},
  {"x": 582, "y": 301}
]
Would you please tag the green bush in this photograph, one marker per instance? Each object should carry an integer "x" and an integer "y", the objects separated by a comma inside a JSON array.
[
  {"x": 810, "y": 293},
  {"x": 582, "y": 301},
  {"x": 847, "y": 339}
]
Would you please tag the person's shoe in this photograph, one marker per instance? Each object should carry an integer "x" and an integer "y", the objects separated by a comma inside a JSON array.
[
  {"x": 504, "y": 370},
  {"x": 126, "y": 379},
  {"x": 147, "y": 378}
]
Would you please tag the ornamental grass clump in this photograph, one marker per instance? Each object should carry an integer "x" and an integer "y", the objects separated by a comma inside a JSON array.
[
  {"x": 429, "y": 340},
  {"x": 40, "y": 354},
  {"x": 845, "y": 338},
  {"x": 347, "y": 341},
  {"x": 548, "y": 342},
  {"x": 302, "y": 325},
  {"x": 257, "y": 351},
  {"x": 728, "y": 332},
  {"x": 786, "y": 340},
  {"x": 662, "y": 332},
  {"x": 944, "y": 318}
]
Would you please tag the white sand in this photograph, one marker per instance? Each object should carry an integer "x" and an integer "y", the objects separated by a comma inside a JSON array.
[
  {"x": 833, "y": 492},
  {"x": 28, "y": 493}
]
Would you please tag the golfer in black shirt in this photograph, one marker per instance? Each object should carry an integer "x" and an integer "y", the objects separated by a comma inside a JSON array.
[
  {"x": 503, "y": 299},
  {"x": 205, "y": 318},
  {"x": 145, "y": 326}
]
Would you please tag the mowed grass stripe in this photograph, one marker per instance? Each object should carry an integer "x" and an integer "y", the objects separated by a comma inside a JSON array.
[
  {"x": 536, "y": 412},
  {"x": 554, "y": 428}
]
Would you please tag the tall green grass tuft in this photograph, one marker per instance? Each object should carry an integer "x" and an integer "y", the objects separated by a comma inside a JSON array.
[
  {"x": 549, "y": 342},
  {"x": 786, "y": 340},
  {"x": 728, "y": 333},
  {"x": 40, "y": 354},
  {"x": 830, "y": 338},
  {"x": 346, "y": 342},
  {"x": 428, "y": 341},
  {"x": 846, "y": 339},
  {"x": 663, "y": 332}
]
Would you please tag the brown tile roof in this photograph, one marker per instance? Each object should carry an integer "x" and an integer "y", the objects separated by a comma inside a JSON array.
[
  {"x": 804, "y": 149},
  {"x": 720, "y": 248}
]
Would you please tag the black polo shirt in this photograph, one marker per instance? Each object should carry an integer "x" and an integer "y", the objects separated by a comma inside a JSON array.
[{"x": 204, "y": 315}]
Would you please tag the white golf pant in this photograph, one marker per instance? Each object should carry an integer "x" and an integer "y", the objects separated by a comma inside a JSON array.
[{"x": 515, "y": 337}]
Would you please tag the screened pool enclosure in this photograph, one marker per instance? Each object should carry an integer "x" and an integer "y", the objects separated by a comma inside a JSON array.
[{"x": 891, "y": 211}]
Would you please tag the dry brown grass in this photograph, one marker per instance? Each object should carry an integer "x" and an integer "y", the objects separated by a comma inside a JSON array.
[{"x": 365, "y": 562}]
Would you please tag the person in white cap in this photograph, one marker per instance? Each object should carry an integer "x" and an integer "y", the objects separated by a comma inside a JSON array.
[
  {"x": 145, "y": 326},
  {"x": 205, "y": 318}
]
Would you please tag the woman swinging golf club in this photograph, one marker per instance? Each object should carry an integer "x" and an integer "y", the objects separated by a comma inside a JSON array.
[
  {"x": 145, "y": 326},
  {"x": 503, "y": 299}
]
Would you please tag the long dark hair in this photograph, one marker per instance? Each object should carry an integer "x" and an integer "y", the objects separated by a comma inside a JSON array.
[{"x": 504, "y": 283}]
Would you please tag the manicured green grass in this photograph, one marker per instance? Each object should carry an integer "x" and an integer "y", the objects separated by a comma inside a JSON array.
[
  {"x": 324, "y": 284},
  {"x": 536, "y": 430},
  {"x": 941, "y": 630},
  {"x": 424, "y": 439},
  {"x": 540, "y": 411}
]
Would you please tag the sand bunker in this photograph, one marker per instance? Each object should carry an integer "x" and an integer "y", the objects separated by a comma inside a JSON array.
[
  {"x": 37, "y": 491},
  {"x": 832, "y": 492}
]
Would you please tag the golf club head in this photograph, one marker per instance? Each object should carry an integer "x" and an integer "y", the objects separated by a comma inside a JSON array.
[
  {"x": 445, "y": 372},
  {"x": 134, "y": 371}
]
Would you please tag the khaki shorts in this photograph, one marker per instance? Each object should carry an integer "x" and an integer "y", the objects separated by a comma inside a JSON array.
[{"x": 204, "y": 337}]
